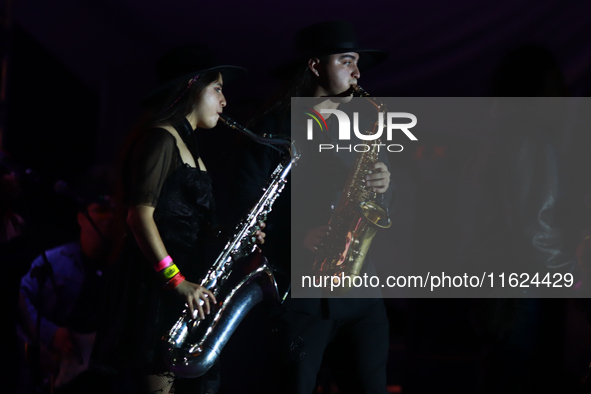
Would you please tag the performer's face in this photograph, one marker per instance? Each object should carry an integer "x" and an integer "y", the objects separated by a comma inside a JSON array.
[
  {"x": 339, "y": 72},
  {"x": 210, "y": 104},
  {"x": 103, "y": 216}
]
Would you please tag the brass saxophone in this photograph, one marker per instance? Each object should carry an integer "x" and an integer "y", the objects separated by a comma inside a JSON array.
[
  {"x": 356, "y": 219},
  {"x": 193, "y": 345}
]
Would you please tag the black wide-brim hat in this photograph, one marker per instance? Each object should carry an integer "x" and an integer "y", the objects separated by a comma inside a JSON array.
[
  {"x": 184, "y": 63},
  {"x": 328, "y": 38}
]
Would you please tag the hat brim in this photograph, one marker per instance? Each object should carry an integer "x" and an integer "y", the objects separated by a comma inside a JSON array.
[
  {"x": 368, "y": 58},
  {"x": 230, "y": 73}
]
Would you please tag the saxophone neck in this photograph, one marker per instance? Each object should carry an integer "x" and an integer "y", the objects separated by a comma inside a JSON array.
[
  {"x": 265, "y": 139},
  {"x": 262, "y": 139}
]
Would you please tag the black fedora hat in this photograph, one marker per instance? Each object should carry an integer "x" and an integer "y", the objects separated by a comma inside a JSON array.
[
  {"x": 328, "y": 38},
  {"x": 186, "y": 62}
]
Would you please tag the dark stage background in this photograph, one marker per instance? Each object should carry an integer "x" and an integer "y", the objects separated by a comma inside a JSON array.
[{"x": 77, "y": 70}]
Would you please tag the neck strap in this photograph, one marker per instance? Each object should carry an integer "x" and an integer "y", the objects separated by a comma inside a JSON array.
[{"x": 188, "y": 136}]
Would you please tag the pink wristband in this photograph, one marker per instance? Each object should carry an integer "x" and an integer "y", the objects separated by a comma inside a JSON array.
[{"x": 165, "y": 262}]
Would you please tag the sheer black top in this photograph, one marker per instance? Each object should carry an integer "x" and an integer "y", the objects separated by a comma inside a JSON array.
[{"x": 137, "y": 311}]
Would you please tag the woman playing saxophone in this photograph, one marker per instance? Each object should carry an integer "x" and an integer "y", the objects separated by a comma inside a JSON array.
[{"x": 169, "y": 200}]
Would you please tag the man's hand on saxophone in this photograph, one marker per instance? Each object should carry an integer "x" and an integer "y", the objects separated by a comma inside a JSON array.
[
  {"x": 379, "y": 178},
  {"x": 314, "y": 237}
]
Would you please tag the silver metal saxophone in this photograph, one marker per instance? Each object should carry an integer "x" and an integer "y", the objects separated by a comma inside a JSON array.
[{"x": 193, "y": 345}]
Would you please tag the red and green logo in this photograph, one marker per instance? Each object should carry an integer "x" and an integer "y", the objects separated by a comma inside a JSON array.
[{"x": 315, "y": 115}]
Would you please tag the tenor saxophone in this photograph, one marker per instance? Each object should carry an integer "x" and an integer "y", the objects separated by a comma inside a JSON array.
[
  {"x": 193, "y": 345},
  {"x": 356, "y": 219}
]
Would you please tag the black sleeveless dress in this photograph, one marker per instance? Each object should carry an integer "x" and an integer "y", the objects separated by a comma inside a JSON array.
[{"x": 137, "y": 311}]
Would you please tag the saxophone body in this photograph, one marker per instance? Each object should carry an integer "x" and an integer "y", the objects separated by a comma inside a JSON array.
[
  {"x": 356, "y": 219},
  {"x": 193, "y": 345}
]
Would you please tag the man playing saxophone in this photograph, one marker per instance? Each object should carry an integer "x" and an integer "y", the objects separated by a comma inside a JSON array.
[{"x": 352, "y": 333}]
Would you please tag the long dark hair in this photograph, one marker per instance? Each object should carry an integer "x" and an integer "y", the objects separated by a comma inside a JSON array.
[
  {"x": 170, "y": 106},
  {"x": 174, "y": 104}
]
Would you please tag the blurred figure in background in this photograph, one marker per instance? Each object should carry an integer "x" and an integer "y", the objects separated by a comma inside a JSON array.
[
  {"x": 521, "y": 225},
  {"x": 68, "y": 304}
]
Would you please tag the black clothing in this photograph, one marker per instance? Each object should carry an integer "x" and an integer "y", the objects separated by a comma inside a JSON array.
[
  {"x": 312, "y": 203},
  {"x": 84, "y": 317},
  {"x": 316, "y": 324},
  {"x": 356, "y": 347},
  {"x": 520, "y": 223},
  {"x": 138, "y": 311},
  {"x": 520, "y": 226}
]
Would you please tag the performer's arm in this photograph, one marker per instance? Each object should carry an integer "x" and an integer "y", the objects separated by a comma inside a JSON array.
[
  {"x": 30, "y": 290},
  {"x": 153, "y": 159}
]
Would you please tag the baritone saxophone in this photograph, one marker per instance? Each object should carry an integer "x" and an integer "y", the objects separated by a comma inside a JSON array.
[{"x": 192, "y": 345}]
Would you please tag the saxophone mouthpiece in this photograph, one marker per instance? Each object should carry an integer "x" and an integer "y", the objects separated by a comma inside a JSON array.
[
  {"x": 225, "y": 118},
  {"x": 358, "y": 90},
  {"x": 231, "y": 123}
]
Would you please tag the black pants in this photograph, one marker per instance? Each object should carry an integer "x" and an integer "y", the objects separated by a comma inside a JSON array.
[{"x": 356, "y": 348}]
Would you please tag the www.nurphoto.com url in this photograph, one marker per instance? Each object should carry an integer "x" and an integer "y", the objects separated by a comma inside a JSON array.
[{"x": 442, "y": 281}]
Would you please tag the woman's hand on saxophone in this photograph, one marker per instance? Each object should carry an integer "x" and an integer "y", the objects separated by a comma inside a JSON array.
[
  {"x": 378, "y": 178},
  {"x": 260, "y": 234},
  {"x": 196, "y": 297}
]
